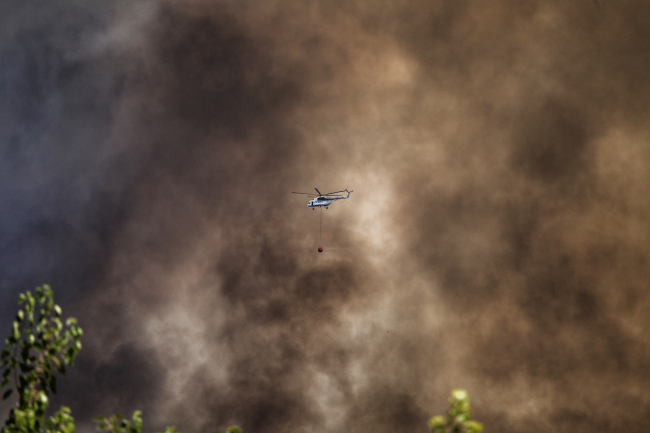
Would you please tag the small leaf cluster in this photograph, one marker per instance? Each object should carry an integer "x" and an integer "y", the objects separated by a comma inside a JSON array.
[
  {"x": 459, "y": 416},
  {"x": 61, "y": 422},
  {"x": 117, "y": 424},
  {"x": 38, "y": 346}
]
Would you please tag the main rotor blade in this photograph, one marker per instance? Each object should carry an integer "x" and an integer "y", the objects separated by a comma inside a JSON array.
[
  {"x": 318, "y": 191},
  {"x": 306, "y": 193},
  {"x": 336, "y": 192}
]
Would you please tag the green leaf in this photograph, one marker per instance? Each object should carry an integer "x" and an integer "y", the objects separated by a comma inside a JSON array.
[
  {"x": 436, "y": 421},
  {"x": 42, "y": 397},
  {"x": 16, "y": 331},
  {"x": 7, "y": 394}
]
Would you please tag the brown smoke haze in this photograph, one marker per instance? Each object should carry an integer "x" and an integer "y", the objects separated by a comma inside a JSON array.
[{"x": 497, "y": 239}]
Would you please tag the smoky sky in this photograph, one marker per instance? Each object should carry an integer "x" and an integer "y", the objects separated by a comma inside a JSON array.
[{"x": 497, "y": 238}]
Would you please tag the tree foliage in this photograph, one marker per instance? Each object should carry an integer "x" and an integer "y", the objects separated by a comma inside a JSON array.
[
  {"x": 117, "y": 424},
  {"x": 459, "y": 416},
  {"x": 39, "y": 347}
]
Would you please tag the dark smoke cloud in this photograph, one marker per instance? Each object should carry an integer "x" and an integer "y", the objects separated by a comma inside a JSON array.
[{"x": 497, "y": 238}]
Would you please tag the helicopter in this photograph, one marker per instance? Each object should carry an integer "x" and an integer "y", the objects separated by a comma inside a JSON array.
[{"x": 324, "y": 199}]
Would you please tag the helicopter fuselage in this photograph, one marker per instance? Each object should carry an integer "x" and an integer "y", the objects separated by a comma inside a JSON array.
[{"x": 322, "y": 201}]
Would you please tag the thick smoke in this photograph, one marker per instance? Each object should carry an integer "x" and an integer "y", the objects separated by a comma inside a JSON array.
[{"x": 497, "y": 238}]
